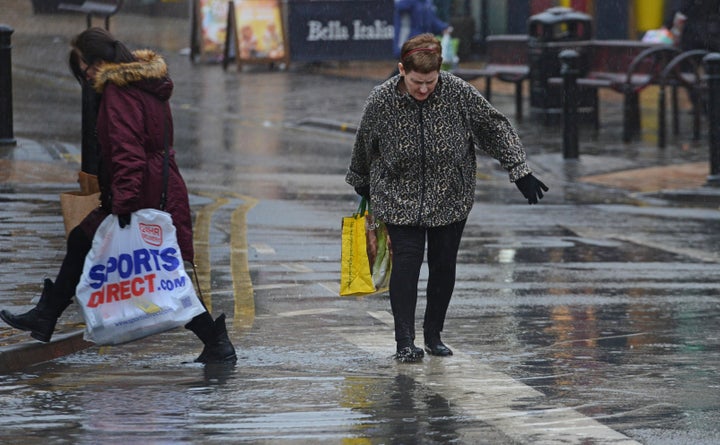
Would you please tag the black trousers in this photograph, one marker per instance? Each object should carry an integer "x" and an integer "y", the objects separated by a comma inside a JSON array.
[
  {"x": 78, "y": 246},
  {"x": 408, "y": 244}
]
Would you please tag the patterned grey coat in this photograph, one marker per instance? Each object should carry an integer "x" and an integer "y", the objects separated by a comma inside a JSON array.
[{"x": 418, "y": 157}]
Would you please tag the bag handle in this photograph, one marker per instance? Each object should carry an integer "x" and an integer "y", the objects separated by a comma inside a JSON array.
[
  {"x": 361, "y": 206},
  {"x": 197, "y": 282},
  {"x": 364, "y": 204}
]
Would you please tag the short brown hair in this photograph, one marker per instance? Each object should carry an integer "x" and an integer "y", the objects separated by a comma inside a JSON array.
[{"x": 422, "y": 54}]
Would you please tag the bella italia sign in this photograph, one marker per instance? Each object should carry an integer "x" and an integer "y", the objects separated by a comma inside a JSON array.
[
  {"x": 340, "y": 30},
  {"x": 335, "y": 30}
]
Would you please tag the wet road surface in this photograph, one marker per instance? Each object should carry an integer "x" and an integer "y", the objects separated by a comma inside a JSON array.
[{"x": 568, "y": 322}]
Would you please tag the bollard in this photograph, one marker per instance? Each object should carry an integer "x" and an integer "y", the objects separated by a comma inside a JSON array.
[
  {"x": 89, "y": 161},
  {"x": 712, "y": 67},
  {"x": 569, "y": 60},
  {"x": 484, "y": 24},
  {"x": 6, "y": 107}
]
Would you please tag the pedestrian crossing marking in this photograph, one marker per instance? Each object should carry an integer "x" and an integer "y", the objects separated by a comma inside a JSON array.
[
  {"x": 263, "y": 249},
  {"x": 490, "y": 396}
]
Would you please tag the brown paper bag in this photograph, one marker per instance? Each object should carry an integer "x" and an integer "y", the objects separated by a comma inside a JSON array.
[
  {"x": 75, "y": 207},
  {"x": 88, "y": 183}
]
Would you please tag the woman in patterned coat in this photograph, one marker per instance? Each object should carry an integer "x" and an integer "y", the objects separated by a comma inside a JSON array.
[
  {"x": 133, "y": 122},
  {"x": 414, "y": 158}
]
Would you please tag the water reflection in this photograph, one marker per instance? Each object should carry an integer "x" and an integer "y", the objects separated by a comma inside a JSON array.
[
  {"x": 401, "y": 411},
  {"x": 577, "y": 347},
  {"x": 625, "y": 333},
  {"x": 218, "y": 373},
  {"x": 73, "y": 403},
  {"x": 231, "y": 131}
]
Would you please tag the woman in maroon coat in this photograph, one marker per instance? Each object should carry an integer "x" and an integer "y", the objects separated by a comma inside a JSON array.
[{"x": 133, "y": 122}]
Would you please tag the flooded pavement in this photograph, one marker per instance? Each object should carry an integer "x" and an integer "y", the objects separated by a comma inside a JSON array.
[
  {"x": 569, "y": 322},
  {"x": 591, "y": 318}
]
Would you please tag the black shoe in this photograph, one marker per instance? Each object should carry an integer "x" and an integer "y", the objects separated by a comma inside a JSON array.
[
  {"x": 438, "y": 348},
  {"x": 409, "y": 354},
  {"x": 435, "y": 346}
]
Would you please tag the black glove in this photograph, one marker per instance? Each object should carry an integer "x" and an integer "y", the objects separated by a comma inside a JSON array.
[
  {"x": 364, "y": 191},
  {"x": 531, "y": 188},
  {"x": 124, "y": 220}
]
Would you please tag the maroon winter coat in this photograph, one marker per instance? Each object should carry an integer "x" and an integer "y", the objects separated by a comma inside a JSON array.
[{"x": 133, "y": 113}]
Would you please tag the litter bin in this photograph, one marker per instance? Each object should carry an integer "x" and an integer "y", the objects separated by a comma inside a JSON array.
[{"x": 549, "y": 33}]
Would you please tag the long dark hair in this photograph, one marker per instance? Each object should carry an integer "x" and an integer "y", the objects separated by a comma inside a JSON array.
[{"x": 96, "y": 45}]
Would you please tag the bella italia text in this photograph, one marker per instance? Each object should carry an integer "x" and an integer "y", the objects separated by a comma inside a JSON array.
[{"x": 335, "y": 30}]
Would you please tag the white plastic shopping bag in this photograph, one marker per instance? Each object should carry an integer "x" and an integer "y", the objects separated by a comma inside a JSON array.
[{"x": 134, "y": 282}]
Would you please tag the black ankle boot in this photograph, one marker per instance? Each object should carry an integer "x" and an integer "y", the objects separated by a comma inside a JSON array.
[
  {"x": 213, "y": 334},
  {"x": 40, "y": 320}
]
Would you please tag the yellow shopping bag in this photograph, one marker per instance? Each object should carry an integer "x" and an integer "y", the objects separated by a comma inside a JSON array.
[{"x": 363, "y": 238}]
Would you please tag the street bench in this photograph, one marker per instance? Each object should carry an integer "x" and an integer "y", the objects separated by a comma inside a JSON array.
[
  {"x": 97, "y": 8},
  {"x": 507, "y": 61},
  {"x": 686, "y": 71},
  {"x": 626, "y": 67}
]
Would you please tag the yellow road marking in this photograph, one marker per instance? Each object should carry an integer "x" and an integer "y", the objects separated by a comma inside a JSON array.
[
  {"x": 239, "y": 265},
  {"x": 202, "y": 246},
  {"x": 243, "y": 294}
]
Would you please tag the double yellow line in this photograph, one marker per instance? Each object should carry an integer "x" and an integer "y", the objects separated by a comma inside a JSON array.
[{"x": 244, "y": 302}]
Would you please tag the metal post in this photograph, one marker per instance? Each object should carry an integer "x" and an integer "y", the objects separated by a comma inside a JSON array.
[
  {"x": 569, "y": 59},
  {"x": 6, "y": 106},
  {"x": 631, "y": 114},
  {"x": 484, "y": 24},
  {"x": 712, "y": 68},
  {"x": 662, "y": 132}
]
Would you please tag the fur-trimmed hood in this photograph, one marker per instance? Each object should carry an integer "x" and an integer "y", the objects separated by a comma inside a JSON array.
[{"x": 149, "y": 72}]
